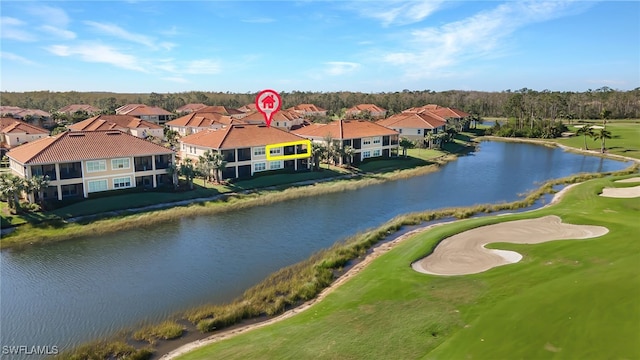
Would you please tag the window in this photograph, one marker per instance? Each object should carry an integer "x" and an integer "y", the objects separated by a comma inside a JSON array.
[
  {"x": 124, "y": 182},
  {"x": 366, "y": 141},
  {"x": 275, "y": 165},
  {"x": 97, "y": 185},
  {"x": 376, "y": 152},
  {"x": 275, "y": 151},
  {"x": 96, "y": 165},
  {"x": 419, "y": 131},
  {"x": 259, "y": 167},
  {"x": 400, "y": 131},
  {"x": 258, "y": 151},
  {"x": 377, "y": 140},
  {"x": 120, "y": 163},
  {"x": 366, "y": 154}
]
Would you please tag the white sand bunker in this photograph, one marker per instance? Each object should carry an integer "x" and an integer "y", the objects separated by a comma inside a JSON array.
[
  {"x": 465, "y": 253},
  {"x": 623, "y": 193}
]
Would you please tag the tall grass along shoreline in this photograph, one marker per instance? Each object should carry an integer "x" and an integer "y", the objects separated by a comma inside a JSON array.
[
  {"x": 293, "y": 285},
  {"x": 37, "y": 234}
]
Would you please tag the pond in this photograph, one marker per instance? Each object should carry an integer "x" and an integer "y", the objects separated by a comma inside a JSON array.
[{"x": 71, "y": 292}]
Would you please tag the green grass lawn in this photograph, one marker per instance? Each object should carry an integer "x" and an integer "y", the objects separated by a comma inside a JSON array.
[
  {"x": 566, "y": 299},
  {"x": 625, "y": 141},
  {"x": 417, "y": 157}
]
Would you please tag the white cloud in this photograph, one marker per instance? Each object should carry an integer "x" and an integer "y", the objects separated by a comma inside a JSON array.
[
  {"x": 336, "y": 68},
  {"x": 176, "y": 79},
  {"x": 17, "y": 58},
  {"x": 13, "y": 29},
  {"x": 58, "y": 32},
  {"x": 98, "y": 53},
  {"x": 434, "y": 50},
  {"x": 397, "y": 12},
  {"x": 202, "y": 67},
  {"x": 118, "y": 32},
  {"x": 50, "y": 15}
]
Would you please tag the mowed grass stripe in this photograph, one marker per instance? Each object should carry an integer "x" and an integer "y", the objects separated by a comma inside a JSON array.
[{"x": 390, "y": 311}]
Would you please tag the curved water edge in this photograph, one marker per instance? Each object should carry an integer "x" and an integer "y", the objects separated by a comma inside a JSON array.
[{"x": 71, "y": 292}]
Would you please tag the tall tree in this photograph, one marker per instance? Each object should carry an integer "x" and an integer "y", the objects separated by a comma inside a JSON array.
[
  {"x": 188, "y": 171},
  {"x": 602, "y": 135},
  {"x": 585, "y": 131},
  {"x": 37, "y": 185},
  {"x": 218, "y": 164},
  {"x": 406, "y": 144},
  {"x": 317, "y": 152},
  {"x": 348, "y": 153}
]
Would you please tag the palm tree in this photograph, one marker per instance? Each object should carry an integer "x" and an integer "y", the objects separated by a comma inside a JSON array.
[
  {"x": 38, "y": 184},
  {"x": 172, "y": 137},
  {"x": 430, "y": 137},
  {"x": 188, "y": 170},
  {"x": 11, "y": 187},
  {"x": 5, "y": 189},
  {"x": 205, "y": 165},
  {"x": 331, "y": 150},
  {"x": 218, "y": 164},
  {"x": 406, "y": 144},
  {"x": 173, "y": 171},
  {"x": 348, "y": 153},
  {"x": 585, "y": 130},
  {"x": 601, "y": 135},
  {"x": 317, "y": 150}
]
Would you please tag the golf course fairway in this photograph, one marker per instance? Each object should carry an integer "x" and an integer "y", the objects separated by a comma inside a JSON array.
[{"x": 564, "y": 299}]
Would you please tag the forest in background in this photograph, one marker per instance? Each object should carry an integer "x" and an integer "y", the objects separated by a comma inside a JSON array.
[{"x": 522, "y": 103}]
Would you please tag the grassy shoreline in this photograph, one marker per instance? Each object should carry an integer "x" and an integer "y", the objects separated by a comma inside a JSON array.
[
  {"x": 389, "y": 310},
  {"x": 54, "y": 231},
  {"x": 301, "y": 282}
]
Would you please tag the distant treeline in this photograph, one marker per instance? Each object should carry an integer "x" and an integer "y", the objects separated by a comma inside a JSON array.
[{"x": 517, "y": 103}]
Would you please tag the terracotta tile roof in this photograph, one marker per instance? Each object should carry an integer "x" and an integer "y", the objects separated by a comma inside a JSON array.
[
  {"x": 224, "y": 110},
  {"x": 420, "y": 120},
  {"x": 22, "y": 113},
  {"x": 4, "y": 110},
  {"x": 84, "y": 145},
  {"x": 307, "y": 108},
  {"x": 345, "y": 129},
  {"x": 450, "y": 113},
  {"x": 141, "y": 110},
  {"x": 369, "y": 107},
  {"x": 70, "y": 109},
  {"x": 203, "y": 120},
  {"x": 239, "y": 136},
  {"x": 190, "y": 107},
  {"x": 248, "y": 108},
  {"x": 443, "y": 112},
  {"x": 11, "y": 125},
  {"x": 282, "y": 115},
  {"x": 109, "y": 122}
]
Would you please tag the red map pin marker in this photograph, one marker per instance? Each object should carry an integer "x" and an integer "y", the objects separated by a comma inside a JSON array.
[{"x": 268, "y": 102}]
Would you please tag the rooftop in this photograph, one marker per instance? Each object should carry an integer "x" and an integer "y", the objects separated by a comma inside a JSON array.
[
  {"x": 345, "y": 129},
  {"x": 239, "y": 136},
  {"x": 84, "y": 145}
]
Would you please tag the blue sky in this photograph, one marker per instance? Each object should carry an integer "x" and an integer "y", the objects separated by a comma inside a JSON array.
[{"x": 367, "y": 46}]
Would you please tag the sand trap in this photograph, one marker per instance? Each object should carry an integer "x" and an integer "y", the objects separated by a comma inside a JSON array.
[
  {"x": 464, "y": 253},
  {"x": 623, "y": 193},
  {"x": 630, "y": 180}
]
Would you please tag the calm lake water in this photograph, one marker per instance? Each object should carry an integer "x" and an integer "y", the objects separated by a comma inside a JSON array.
[{"x": 71, "y": 292}]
